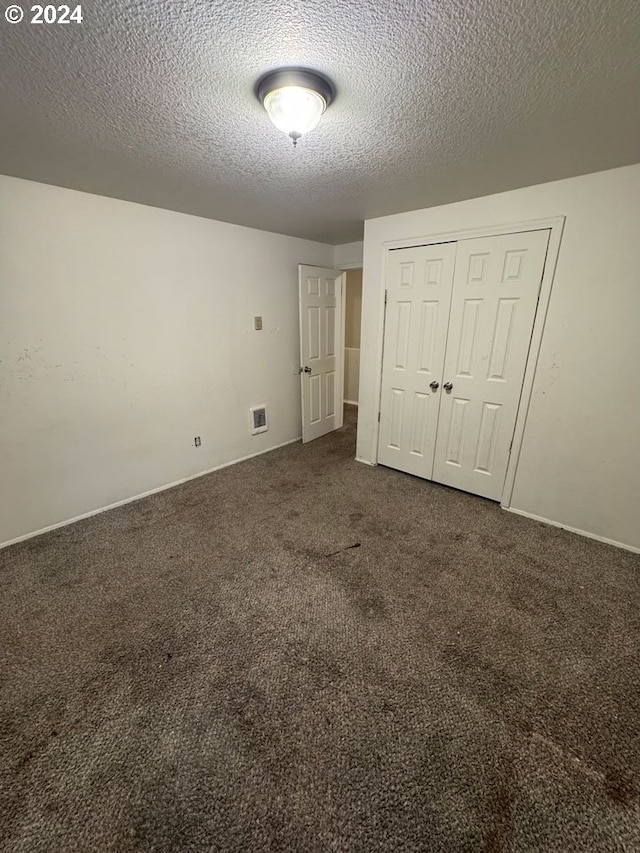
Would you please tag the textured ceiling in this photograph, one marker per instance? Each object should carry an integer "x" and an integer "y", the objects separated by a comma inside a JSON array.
[{"x": 438, "y": 100}]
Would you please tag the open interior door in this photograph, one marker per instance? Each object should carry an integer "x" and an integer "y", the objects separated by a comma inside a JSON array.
[{"x": 321, "y": 349}]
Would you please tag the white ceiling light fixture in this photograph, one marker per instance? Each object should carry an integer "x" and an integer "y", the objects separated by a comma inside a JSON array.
[{"x": 294, "y": 99}]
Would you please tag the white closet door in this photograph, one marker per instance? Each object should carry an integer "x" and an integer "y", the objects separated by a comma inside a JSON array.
[
  {"x": 495, "y": 294},
  {"x": 419, "y": 282}
]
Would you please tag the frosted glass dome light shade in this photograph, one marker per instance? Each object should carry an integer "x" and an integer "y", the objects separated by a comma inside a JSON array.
[
  {"x": 294, "y": 99},
  {"x": 294, "y": 110}
]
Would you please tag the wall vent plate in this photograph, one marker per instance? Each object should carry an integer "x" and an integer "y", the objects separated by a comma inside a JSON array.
[{"x": 258, "y": 419}]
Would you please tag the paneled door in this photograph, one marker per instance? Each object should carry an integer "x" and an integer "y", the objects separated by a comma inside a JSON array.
[
  {"x": 495, "y": 295},
  {"x": 418, "y": 294},
  {"x": 321, "y": 348}
]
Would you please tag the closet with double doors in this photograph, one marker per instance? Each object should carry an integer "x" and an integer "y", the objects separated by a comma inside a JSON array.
[{"x": 458, "y": 323}]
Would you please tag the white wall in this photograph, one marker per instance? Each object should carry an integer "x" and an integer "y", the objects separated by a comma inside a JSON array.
[
  {"x": 125, "y": 331},
  {"x": 348, "y": 255},
  {"x": 580, "y": 460}
]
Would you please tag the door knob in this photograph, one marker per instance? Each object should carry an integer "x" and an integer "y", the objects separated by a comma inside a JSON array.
[
  {"x": 448, "y": 387},
  {"x": 307, "y": 370},
  {"x": 434, "y": 385}
]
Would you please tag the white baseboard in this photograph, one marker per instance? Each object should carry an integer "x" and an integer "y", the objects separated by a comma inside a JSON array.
[
  {"x": 577, "y": 530},
  {"x": 143, "y": 495},
  {"x": 351, "y": 402},
  {"x": 366, "y": 462}
]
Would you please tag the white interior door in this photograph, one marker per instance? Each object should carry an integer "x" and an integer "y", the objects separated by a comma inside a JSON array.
[
  {"x": 321, "y": 350},
  {"x": 495, "y": 294},
  {"x": 419, "y": 283}
]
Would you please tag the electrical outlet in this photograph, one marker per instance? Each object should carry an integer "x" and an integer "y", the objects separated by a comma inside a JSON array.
[
  {"x": 197, "y": 441},
  {"x": 257, "y": 324}
]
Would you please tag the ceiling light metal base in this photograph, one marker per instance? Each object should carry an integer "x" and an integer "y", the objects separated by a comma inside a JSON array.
[{"x": 295, "y": 76}]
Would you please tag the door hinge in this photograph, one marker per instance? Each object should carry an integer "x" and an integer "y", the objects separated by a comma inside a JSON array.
[
  {"x": 386, "y": 293},
  {"x": 378, "y": 417}
]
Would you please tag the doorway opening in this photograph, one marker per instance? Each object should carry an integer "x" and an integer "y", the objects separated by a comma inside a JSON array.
[
  {"x": 330, "y": 307},
  {"x": 352, "y": 327}
]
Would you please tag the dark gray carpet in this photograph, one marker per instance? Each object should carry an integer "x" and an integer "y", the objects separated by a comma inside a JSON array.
[{"x": 300, "y": 653}]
